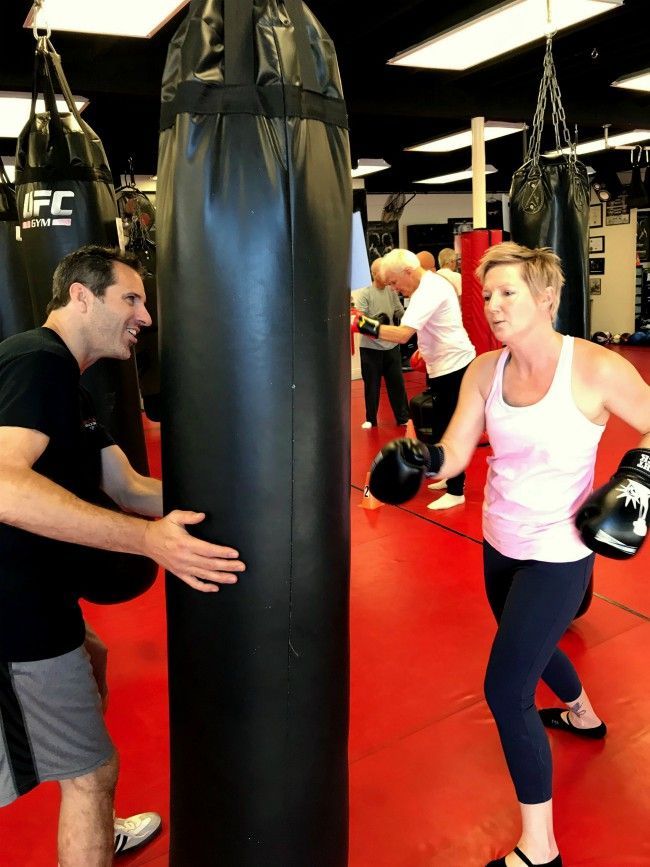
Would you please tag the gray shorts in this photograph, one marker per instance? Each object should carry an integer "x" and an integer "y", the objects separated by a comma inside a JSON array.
[{"x": 51, "y": 723}]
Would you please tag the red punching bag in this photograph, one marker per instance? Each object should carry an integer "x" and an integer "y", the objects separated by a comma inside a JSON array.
[{"x": 473, "y": 245}]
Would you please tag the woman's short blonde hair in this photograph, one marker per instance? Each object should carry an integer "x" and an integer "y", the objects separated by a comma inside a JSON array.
[{"x": 540, "y": 268}]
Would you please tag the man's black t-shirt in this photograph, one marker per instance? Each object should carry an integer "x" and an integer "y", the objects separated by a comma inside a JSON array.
[{"x": 39, "y": 389}]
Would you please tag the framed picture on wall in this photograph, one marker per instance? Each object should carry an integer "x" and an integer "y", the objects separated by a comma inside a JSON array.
[
  {"x": 594, "y": 285},
  {"x": 597, "y": 244},
  {"x": 596, "y": 266},
  {"x": 595, "y": 216}
]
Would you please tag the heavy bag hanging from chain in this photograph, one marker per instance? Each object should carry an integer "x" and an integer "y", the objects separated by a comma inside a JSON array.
[
  {"x": 65, "y": 196},
  {"x": 549, "y": 205},
  {"x": 65, "y": 200},
  {"x": 254, "y": 208},
  {"x": 16, "y": 312}
]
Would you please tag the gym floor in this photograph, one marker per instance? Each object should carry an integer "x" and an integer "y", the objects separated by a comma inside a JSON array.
[{"x": 428, "y": 783}]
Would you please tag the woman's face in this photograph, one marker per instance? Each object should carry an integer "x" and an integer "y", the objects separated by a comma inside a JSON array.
[{"x": 510, "y": 307}]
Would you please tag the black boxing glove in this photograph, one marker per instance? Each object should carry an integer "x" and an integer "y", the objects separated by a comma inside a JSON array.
[
  {"x": 613, "y": 521},
  {"x": 370, "y": 327},
  {"x": 398, "y": 469}
]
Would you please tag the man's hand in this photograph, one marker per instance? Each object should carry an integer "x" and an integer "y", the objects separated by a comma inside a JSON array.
[{"x": 200, "y": 564}]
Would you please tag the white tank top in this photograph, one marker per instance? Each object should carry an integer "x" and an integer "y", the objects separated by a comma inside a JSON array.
[{"x": 542, "y": 469}]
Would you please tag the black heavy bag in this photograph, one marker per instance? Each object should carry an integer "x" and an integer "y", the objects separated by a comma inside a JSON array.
[
  {"x": 138, "y": 220},
  {"x": 637, "y": 195},
  {"x": 15, "y": 304},
  {"x": 65, "y": 198},
  {"x": 254, "y": 208},
  {"x": 549, "y": 206}
]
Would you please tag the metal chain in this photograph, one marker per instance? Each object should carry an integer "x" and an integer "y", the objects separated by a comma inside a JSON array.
[{"x": 549, "y": 87}]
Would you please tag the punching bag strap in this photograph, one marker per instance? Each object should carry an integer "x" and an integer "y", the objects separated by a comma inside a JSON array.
[
  {"x": 42, "y": 83},
  {"x": 57, "y": 70},
  {"x": 4, "y": 177},
  {"x": 306, "y": 57},
  {"x": 239, "y": 57}
]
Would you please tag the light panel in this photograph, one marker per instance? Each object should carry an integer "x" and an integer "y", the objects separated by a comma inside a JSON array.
[
  {"x": 635, "y": 81},
  {"x": 369, "y": 167},
  {"x": 455, "y": 176},
  {"x": 15, "y": 108},
  {"x": 599, "y": 144},
  {"x": 502, "y": 29},
  {"x": 142, "y": 18},
  {"x": 457, "y": 140}
]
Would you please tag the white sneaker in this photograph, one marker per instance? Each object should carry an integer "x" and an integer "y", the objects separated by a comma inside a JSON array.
[
  {"x": 135, "y": 831},
  {"x": 447, "y": 501},
  {"x": 440, "y": 485},
  {"x": 366, "y": 425}
]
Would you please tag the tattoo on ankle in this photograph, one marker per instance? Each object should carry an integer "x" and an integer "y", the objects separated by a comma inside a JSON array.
[{"x": 577, "y": 709}]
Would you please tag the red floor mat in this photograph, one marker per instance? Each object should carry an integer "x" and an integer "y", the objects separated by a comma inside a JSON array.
[{"x": 429, "y": 786}]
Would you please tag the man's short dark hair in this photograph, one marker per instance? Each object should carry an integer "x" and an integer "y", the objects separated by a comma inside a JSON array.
[{"x": 91, "y": 265}]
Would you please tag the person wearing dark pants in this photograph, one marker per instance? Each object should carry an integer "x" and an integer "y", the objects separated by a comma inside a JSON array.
[
  {"x": 434, "y": 313},
  {"x": 545, "y": 399},
  {"x": 381, "y": 358},
  {"x": 444, "y": 391}
]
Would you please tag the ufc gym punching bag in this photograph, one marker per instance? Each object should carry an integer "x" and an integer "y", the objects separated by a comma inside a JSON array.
[
  {"x": 65, "y": 199},
  {"x": 15, "y": 304},
  {"x": 254, "y": 209},
  {"x": 549, "y": 206},
  {"x": 65, "y": 196}
]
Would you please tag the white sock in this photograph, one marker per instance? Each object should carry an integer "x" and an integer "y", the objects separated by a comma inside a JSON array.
[
  {"x": 447, "y": 501},
  {"x": 440, "y": 485}
]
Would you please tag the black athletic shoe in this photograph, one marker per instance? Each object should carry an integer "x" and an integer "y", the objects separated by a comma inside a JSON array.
[
  {"x": 553, "y": 719},
  {"x": 500, "y": 862}
]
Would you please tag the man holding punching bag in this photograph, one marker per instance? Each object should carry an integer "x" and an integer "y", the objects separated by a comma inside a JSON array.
[{"x": 54, "y": 459}]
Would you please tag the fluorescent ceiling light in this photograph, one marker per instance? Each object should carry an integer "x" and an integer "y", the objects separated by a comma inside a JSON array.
[
  {"x": 599, "y": 144},
  {"x": 142, "y": 18},
  {"x": 463, "y": 139},
  {"x": 15, "y": 108},
  {"x": 635, "y": 81},
  {"x": 10, "y": 167},
  {"x": 504, "y": 28},
  {"x": 455, "y": 176},
  {"x": 369, "y": 167}
]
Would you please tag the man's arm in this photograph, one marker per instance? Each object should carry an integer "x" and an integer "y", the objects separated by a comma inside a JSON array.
[
  {"x": 396, "y": 333},
  {"x": 126, "y": 487},
  {"x": 32, "y": 502}
]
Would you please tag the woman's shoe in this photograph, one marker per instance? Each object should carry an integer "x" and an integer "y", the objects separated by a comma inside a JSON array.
[
  {"x": 552, "y": 719},
  {"x": 500, "y": 862}
]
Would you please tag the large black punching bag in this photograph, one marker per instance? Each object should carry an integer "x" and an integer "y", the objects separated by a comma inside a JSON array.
[
  {"x": 254, "y": 209},
  {"x": 65, "y": 197},
  {"x": 549, "y": 206},
  {"x": 15, "y": 304}
]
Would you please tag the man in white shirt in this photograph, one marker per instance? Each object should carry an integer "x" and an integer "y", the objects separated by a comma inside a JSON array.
[
  {"x": 448, "y": 268},
  {"x": 434, "y": 312}
]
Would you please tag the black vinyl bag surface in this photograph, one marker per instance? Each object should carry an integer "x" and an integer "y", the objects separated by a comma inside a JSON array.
[
  {"x": 549, "y": 207},
  {"x": 16, "y": 313},
  {"x": 254, "y": 208},
  {"x": 65, "y": 199}
]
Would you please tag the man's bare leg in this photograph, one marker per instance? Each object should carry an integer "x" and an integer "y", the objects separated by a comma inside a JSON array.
[{"x": 86, "y": 837}]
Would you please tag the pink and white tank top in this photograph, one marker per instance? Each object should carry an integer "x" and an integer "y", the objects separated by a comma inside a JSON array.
[{"x": 541, "y": 471}]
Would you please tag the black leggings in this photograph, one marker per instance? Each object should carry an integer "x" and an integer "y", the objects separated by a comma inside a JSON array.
[
  {"x": 445, "y": 390},
  {"x": 533, "y": 602}
]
